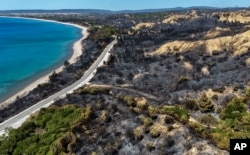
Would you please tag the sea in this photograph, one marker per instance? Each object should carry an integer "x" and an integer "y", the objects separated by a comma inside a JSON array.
[{"x": 30, "y": 49}]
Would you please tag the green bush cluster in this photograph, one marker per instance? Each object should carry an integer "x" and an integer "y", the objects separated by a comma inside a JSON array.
[
  {"x": 104, "y": 32},
  {"x": 205, "y": 104},
  {"x": 45, "y": 132},
  {"x": 104, "y": 116},
  {"x": 207, "y": 120},
  {"x": 138, "y": 135},
  {"x": 154, "y": 132},
  {"x": 234, "y": 109},
  {"x": 147, "y": 121},
  {"x": 129, "y": 100},
  {"x": 234, "y": 123},
  {"x": 152, "y": 110},
  {"x": 136, "y": 104},
  {"x": 92, "y": 90},
  {"x": 201, "y": 130},
  {"x": 175, "y": 111},
  {"x": 190, "y": 104},
  {"x": 247, "y": 92}
]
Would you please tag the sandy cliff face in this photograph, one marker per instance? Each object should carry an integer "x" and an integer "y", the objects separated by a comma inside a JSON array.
[
  {"x": 234, "y": 17},
  {"x": 173, "y": 19},
  {"x": 216, "y": 32},
  {"x": 238, "y": 44},
  {"x": 140, "y": 25}
]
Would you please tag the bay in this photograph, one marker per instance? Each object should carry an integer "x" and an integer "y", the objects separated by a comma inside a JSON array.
[{"x": 30, "y": 49}]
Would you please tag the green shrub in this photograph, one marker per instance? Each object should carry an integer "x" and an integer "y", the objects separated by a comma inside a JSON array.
[
  {"x": 234, "y": 109},
  {"x": 92, "y": 90},
  {"x": 66, "y": 142},
  {"x": 152, "y": 110},
  {"x": 220, "y": 139},
  {"x": 147, "y": 122},
  {"x": 205, "y": 104},
  {"x": 218, "y": 109},
  {"x": 104, "y": 116},
  {"x": 154, "y": 132},
  {"x": 129, "y": 100},
  {"x": 200, "y": 130},
  {"x": 207, "y": 119},
  {"x": 175, "y": 111},
  {"x": 234, "y": 123},
  {"x": 191, "y": 105},
  {"x": 138, "y": 134},
  {"x": 54, "y": 122},
  {"x": 247, "y": 92}
]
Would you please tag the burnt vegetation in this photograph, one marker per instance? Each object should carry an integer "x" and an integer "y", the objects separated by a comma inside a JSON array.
[{"x": 164, "y": 84}]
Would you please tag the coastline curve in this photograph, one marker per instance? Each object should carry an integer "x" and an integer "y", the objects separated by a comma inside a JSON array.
[{"x": 76, "y": 52}]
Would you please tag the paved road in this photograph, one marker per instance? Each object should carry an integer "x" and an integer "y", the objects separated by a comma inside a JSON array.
[{"x": 18, "y": 119}]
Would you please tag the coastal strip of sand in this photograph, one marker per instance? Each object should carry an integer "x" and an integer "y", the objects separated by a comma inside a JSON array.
[{"x": 77, "y": 51}]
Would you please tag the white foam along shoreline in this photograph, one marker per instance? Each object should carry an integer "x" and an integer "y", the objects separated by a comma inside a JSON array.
[{"x": 77, "y": 51}]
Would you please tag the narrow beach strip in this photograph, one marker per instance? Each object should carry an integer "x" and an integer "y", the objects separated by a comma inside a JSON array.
[{"x": 77, "y": 51}]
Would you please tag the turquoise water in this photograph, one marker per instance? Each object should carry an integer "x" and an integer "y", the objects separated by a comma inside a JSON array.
[{"x": 30, "y": 49}]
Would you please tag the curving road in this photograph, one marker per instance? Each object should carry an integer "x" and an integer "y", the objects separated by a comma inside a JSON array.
[{"x": 18, "y": 119}]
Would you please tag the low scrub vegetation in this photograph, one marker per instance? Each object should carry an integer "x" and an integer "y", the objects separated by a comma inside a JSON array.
[
  {"x": 103, "y": 33},
  {"x": 177, "y": 112},
  {"x": 92, "y": 90},
  {"x": 205, "y": 104},
  {"x": 207, "y": 120},
  {"x": 234, "y": 123},
  {"x": 48, "y": 132}
]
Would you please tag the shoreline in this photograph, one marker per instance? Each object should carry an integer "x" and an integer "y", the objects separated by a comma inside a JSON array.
[{"x": 76, "y": 52}]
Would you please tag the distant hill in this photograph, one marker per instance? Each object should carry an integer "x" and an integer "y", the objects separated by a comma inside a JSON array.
[{"x": 96, "y": 11}]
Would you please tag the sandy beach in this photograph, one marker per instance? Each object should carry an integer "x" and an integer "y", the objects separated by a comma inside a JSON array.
[{"x": 77, "y": 51}]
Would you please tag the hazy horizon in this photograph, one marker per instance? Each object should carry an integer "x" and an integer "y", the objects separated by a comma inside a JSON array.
[{"x": 115, "y": 5}]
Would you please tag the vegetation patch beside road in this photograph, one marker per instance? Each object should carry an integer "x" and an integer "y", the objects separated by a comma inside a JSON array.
[
  {"x": 46, "y": 132},
  {"x": 60, "y": 129}
]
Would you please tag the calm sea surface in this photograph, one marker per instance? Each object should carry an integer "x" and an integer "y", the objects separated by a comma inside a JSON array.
[{"x": 30, "y": 49}]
